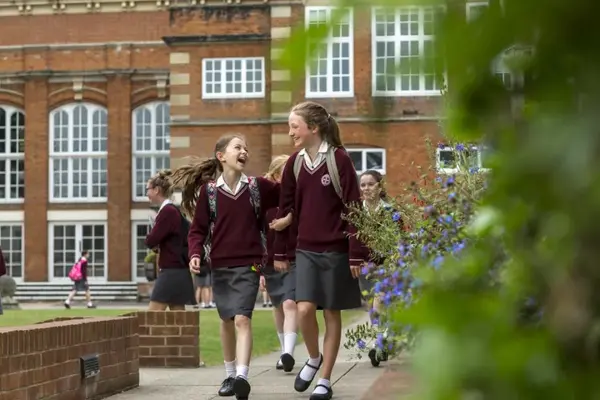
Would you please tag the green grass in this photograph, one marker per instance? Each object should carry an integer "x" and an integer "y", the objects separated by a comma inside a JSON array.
[{"x": 265, "y": 337}]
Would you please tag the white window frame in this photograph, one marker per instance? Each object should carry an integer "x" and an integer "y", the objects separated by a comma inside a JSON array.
[
  {"x": 71, "y": 155},
  {"x": 397, "y": 38},
  {"x": 364, "y": 151},
  {"x": 9, "y": 156},
  {"x": 153, "y": 153},
  {"x": 78, "y": 237},
  {"x": 348, "y": 13},
  {"x": 223, "y": 82},
  {"x": 134, "y": 249},
  {"x": 473, "y": 5},
  {"x": 458, "y": 169},
  {"x": 6, "y": 251}
]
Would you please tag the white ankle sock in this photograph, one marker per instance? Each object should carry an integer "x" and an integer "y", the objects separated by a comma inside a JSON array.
[
  {"x": 229, "y": 368},
  {"x": 280, "y": 335},
  {"x": 67, "y": 301},
  {"x": 321, "y": 390},
  {"x": 90, "y": 304},
  {"x": 289, "y": 343},
  {"x": 308, "y": 373},
  {"x": 242, "y": 370}
]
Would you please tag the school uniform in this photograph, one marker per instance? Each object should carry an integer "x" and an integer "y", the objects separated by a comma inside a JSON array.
[
  {"x": 324, "y": 249},
  {"x": 82, "y": 284},
  {"x": 204, "y": 278},
  {"x": 236, "y": 244},
  {"x": 281, "y": 286},
  {"x": 2, "y": 272},
  {"x": 174, "y": 284}
]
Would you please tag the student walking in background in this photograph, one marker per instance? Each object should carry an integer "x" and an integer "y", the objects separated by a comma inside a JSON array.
[
  {"x": 318, "y": 182},
  {"x": 174, "y": 287},
  {"x": 281, "y": 285},
  {"x": 228, "y": 215},
  {"x": 2, "y": 272},
  {"x": 78, "y": 275}
]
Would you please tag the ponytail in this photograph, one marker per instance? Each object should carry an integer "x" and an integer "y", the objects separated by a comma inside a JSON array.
[
  {"x": 316, "y": 116},
  {"x": 189, "y": 178}
]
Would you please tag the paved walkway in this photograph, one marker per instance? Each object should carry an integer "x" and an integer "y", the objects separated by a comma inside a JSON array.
[{"x": 351, "y": 380}]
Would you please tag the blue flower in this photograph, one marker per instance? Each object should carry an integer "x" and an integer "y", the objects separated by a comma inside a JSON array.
[
  {"x": 460, "y": 147},
  {"x": 377, "y": 287},
  {"x": 361, "y": 344},
  {"x": 438, "y": 261},
  {"x": 450, "y": 181},
  {"x": 396, "y": 216},
  {"x": 364, "y": 270},
  {"x": 452, "y": 196},
  {"x": 379, "y": 341},
  {"x": 441, "y": 146},
  {"x": 473, "y": 170}
]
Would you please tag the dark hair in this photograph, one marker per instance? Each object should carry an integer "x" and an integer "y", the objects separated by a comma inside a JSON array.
[
  {"x": 190, "y": 177},
  {"x": 316, "y": 116},
  {"x": 162, "y": 181},
  {"x": 85, "y": 253},
  {"x": 379, "y": 179}
]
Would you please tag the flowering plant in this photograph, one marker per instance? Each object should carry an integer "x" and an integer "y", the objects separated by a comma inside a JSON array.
[{"x": 435, "y": 211}]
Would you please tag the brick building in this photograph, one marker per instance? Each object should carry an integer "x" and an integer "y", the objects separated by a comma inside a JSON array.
[{"x": 95, "y": 95}]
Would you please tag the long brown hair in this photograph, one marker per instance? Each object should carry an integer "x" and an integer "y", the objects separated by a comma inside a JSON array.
[
  {"x": 316, "y": 116},
  {"x": 379, "y": 179},
  {"x": 190, "y": 177}
]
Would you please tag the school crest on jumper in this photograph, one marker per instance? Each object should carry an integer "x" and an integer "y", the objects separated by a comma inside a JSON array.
[{"x": 325, "y": 180}]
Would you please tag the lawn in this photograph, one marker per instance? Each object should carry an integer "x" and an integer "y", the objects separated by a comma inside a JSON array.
[{"x": 265, "y": 338}]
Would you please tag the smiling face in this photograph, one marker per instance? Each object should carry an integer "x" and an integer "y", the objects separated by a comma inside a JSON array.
[
  {"x": 152, "y": 192},
  {"x": 369, "y": 187},
  {"x": 301, "y": 134},
  {"x": 235, "y": 157}
]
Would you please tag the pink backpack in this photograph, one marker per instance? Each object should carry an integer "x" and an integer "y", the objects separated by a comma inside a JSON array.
[{"x": 75, "y": 273}]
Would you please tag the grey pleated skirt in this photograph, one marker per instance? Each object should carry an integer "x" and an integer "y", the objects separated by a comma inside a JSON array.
[
  {"x": 281, "y": 286},
  {"x": 203, "y": 279},
  {"x": 325, "y": 280},
  {"x": 235, "y": 290},
  {"x": 174, "y": 286}
]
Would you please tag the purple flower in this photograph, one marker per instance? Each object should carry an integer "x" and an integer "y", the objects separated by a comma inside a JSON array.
[
  {"x": 396, "y": 216},
  {"x": 460, "y": 147},
  {"x": 361, "y": 344}
]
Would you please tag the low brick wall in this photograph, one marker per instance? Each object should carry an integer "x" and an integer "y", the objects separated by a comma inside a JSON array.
[
  {"x": 42, "y": 361},
  {"x": 169, "y": 338}
]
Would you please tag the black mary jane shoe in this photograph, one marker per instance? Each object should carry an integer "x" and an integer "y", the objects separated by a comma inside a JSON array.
[
  {"x": 279, "y": 365},
  {"x": 288, "y": 362},
  {"x": 322, "y": 396},
  {"x": 226, "y": 389},
  {"x": 241, "y": 388},
  {"x": 377, "y": 357},
  {"x": 300, "y": 385}
]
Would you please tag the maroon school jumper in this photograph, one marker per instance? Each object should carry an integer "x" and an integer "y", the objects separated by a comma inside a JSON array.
[
  {"x": 2, "y": 264},
  {"x": 318, "y": 209},
  {"x": 166, "y": 235},
  {"x": 290, "y": 243},
  {"x": 236, "y": 240}
]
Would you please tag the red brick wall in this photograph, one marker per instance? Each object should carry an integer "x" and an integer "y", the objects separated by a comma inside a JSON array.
[
  {"x": 42, "y": 361},
  {"x": 169, "y": 338}
]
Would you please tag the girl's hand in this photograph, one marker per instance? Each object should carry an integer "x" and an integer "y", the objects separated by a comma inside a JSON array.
[
  {"x": 281, "y": 223},
  {"x": 281, "y": 266},
  {"x": 263, "y": 284},
  {"x": 195, "y": 265},
  {"x": 355, "y": 270}
]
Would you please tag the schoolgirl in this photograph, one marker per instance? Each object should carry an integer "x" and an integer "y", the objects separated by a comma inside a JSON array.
[
  {"x": 228, "y": 213},
  {"x": 318, "y": 183},
  {"x": 281, "y": 285},
  {"x": 174, "y": 286}
]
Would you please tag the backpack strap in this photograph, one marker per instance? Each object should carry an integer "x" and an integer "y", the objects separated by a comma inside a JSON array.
[
  {"x": 211, "y": 191},
  {"x": 297, "y": 165},
  {"x": 255, "y": 200},
  {"x": 334, "y": 174}
]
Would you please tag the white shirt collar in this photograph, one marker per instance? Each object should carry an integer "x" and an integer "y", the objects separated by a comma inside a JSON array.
[
  {"x": 312, "y": 164},
  {"x": 243, "y": 181},
  {"x": 164, "y": 203},
  {"x": 380, "y": 204}
]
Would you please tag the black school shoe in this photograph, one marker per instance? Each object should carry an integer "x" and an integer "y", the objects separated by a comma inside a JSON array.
[
  {"x": 300, "y": 385},
  {"x": 323, "y": 396},
  {"x": 288, "y": 362},
  {"x": 226, "y": 389},
  {"x": 241, "y": 388},
  {"x": 279, "y": 365}
]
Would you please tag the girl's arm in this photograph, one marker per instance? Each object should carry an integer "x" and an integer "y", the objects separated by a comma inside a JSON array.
[
  {"x": 167, "y": 222},
  {"x": 269, "y": 193},
  {"x": 286, "y": 206},
  {"x": 200, "y": 225},
  {"x": 350, "y": 195}
]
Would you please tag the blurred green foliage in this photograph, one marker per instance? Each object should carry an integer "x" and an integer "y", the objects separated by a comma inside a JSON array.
[{"x": 541, "y": 208}]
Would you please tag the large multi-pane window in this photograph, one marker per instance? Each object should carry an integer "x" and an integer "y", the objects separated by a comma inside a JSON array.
[
  {"x": 140, "y": 230},
  {"x": 233, "y": 78},
  {"x": 78, "y": 153},
  {"x": 12, "y": 156},
  {"x": 365, "y": 159},
  {"x": 12, "y": 245},
  {"x": 329, "y": 72},
  {"x": 403, "y": 51},
  {"x": 470, "y": 158},
  {"x": 151, "y": 138}
]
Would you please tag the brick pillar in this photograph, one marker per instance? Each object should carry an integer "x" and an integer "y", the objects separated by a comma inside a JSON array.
[
  {"x": 36, "y": 180},
  {"x": 281, "y": 90},
  {"x": 180, "y": 100},
  {"x": 119, "y": 178}
]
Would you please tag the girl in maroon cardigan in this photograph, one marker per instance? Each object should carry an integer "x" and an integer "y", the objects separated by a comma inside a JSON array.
[
  {"x": 328, "y": 259},
  {"x": 281, "y": 285},
  {"x": 236, "y": 247}
]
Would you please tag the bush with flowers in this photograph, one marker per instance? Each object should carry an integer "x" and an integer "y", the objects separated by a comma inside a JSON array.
[{"x": 435, "y": 210}]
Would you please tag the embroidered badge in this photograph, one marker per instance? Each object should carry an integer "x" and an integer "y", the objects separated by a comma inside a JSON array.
[{"x": 325, "y": 180}]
